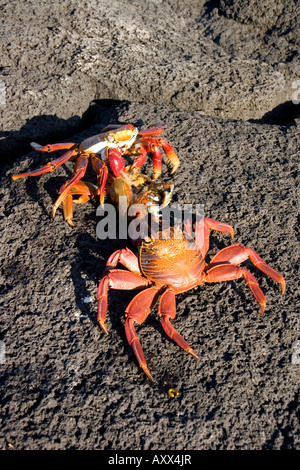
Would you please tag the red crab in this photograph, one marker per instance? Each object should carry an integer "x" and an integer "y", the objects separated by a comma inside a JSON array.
[
  {"x": 110, "y": 146},
  {"x": 170, "y": 266}
]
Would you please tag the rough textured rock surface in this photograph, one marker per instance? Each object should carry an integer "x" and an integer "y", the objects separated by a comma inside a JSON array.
[
  {"x": 231, "y": 59},
  {"x": 219, "y": 76}
]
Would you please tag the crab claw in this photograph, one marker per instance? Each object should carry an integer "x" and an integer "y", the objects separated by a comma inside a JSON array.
[
  {"x": 116, "y": 161},
  {"x": 171, "y": 154},
  {"x": 152, "y": 145}
]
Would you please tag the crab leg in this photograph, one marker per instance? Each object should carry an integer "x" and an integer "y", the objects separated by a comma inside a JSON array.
[
  {"x": 136, "y": 312},
  {"x": 116, "y": 279},
  {"x": 128, "y": 259},
  {"x": 111, "y": 127},
  {"x": 167, "y": 310},
  {"x": 52, "y": 147},
  {"x": 149, "y": 147},
  {"x": 51, "y": 166},
  {"x": 230, "y": 272},
  {"x": 157, "y": 162},
  {"x": 125, "y": 257},
  {"x": 202, "y": 232},
  {"x": 158, "y": 129},
  {"x": 236, "y": 254},
  {"x": 79, "y": 171},
  {"x": 141, "y": 158},
  {"x": 101, "y": 171},
  {"x": 85, "y": 190}
]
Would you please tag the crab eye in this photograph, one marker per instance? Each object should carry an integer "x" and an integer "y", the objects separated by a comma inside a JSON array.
[
  {"x": 110, "y": 137},
  {"x": 147, "y": 240}
]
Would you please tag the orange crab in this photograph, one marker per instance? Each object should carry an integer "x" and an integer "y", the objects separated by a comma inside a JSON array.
[
  {"x": 170, "y": 266},
  {"x": 136, "y": 187},
  {"x": 110, "y": 146}
]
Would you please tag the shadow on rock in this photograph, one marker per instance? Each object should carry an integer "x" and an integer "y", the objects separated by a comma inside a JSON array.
[
  {"x": 86, "y": 272},
  {"x": 50, "y": 128},
  {"x": 45, "y": 128},
  {"x": 282, "y": 115}
]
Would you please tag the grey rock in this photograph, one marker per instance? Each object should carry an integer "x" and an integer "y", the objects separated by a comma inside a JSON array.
[
  {"x": 67, "y": 385},
  {"x": 220, "y": 76},
  {"x": 230, "y": 59}
]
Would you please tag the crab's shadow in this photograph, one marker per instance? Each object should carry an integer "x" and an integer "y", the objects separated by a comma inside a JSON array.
[
  {"x": 86, "y": 272},
  {"x": 47, "y": 128}
]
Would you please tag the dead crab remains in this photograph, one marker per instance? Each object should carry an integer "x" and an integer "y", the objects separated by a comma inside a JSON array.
[
  {"x": 171, "y": 265},
  {"x": 107, "y": 151}
]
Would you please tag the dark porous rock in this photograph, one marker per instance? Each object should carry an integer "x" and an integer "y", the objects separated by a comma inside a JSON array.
[
  {"x": 231, "y": 59},
  {"x": 219, "y": 76}
]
